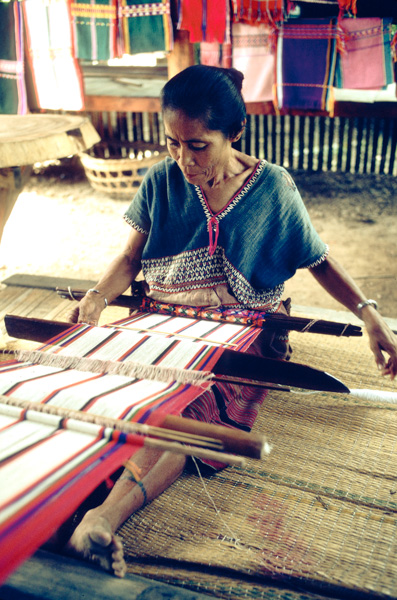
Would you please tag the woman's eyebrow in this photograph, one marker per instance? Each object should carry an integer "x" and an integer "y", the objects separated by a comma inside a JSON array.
[{"x": 192, "y": 141}]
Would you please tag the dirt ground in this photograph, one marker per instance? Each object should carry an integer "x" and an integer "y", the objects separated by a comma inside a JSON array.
[{"x": 60, "y": 226}]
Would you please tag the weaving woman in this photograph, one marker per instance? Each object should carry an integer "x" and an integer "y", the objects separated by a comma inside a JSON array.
[{"x": 211, "y": 226}]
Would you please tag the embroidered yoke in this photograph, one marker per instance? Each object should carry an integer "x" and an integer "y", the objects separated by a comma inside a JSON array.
[{"x": 252, "y": 246}]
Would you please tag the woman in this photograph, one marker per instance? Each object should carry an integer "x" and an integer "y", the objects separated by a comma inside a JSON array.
[{"x": 211, "y": 226}]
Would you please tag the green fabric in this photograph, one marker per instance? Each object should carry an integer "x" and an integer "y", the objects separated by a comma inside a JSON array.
[
  {"x": 148, "y": 32},
  {"x": 95, "y": 29},
  {"x": 12, "y": 95}
]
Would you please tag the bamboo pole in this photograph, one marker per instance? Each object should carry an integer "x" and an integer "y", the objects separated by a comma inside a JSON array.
[{"x": 202, "y": 440}]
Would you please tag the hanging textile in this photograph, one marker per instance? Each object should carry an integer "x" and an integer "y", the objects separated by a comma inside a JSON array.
[
  {"x": 305, "y": 69},
  {"x": 214, "y": 54},
  {"x": 56, "y": 78},
  {"x": 12, "y": 78},
  {"x": 365, "y": 58},
  {"x": 254, "y": 12},
  {"x": 145, "y": 26},
  {"x": 253, "y": 55},
  {"x": 205, "y": 20},
  {"x": 95, "y": 29},
  {"x": 348, "y": 6},
  {"x": 139, "y": 369}
]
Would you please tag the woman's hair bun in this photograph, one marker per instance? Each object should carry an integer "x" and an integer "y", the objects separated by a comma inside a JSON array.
[{"x": 236, "y": 76}]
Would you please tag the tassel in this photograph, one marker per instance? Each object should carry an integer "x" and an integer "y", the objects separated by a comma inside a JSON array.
[{"x": 213, "y": 229}]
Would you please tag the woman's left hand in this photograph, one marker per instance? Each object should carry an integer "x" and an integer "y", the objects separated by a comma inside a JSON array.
[{"x": 383, "y": 343}]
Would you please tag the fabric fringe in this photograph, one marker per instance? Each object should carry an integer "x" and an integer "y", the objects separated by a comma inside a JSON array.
[{"x": 133, "y": 369}]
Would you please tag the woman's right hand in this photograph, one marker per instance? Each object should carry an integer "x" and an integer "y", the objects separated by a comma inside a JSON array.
[{"x": 88, "y": 310}]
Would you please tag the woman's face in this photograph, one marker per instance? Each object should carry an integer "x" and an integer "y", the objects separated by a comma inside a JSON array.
[{"x": 202, "y": 154}]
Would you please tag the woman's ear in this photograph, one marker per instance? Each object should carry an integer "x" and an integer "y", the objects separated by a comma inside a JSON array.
[{"x": 240, "y": 133}]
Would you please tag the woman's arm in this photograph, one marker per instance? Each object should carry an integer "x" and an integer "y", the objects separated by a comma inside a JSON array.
[
  {"x": 338, "y": 283},
  {"x": 117, "y": 278}
]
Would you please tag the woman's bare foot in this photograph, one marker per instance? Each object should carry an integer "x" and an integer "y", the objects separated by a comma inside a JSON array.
[{"x": 94, "y": 540}]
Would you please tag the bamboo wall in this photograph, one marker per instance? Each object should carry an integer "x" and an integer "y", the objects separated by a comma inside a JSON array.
[{"x": 317, "y": 143}]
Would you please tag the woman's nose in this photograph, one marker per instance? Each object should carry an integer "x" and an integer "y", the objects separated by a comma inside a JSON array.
[{"x": 185, "y": 156}]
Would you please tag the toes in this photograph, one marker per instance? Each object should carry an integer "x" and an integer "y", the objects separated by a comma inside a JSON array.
[
  {"x": 117, "y": 555},
  {"x": 119, "y": 568},
  {"x": 117, "y": 543}
]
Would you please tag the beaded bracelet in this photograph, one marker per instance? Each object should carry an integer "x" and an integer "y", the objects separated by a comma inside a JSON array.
[{"x": 143, "y": 490}]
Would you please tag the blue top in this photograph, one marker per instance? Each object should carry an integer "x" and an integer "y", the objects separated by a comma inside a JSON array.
[{"x": 253, "y": 245}]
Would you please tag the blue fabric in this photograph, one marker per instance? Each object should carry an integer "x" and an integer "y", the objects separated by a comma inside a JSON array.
[{"x": 265, "y": 234}]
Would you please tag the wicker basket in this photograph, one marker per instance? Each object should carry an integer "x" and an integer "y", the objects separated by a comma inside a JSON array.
[{"x": 120, "y": 177}]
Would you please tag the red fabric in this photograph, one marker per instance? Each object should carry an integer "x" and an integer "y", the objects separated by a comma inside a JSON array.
[
  {"x": 205, "y": 20},
  {"x": 191, "y": 19},
  {"x": 254, "y": 12},
  {"x": 215, "y": 26},
  {"x": 34, "y": 524},
  {"x": 348, "y": 6}
]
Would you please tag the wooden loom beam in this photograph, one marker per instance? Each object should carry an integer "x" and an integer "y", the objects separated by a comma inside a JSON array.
[
  {"x": 274, "y": 320},
  {"x": 232, "y": 366},
  {"x": 214, "y": 440}
]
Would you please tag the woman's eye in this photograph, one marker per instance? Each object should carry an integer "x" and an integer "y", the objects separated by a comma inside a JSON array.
[{"x": 198, "y": 148}]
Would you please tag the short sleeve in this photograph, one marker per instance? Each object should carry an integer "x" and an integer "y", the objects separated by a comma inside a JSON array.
[{"x": 137, "y": 214}]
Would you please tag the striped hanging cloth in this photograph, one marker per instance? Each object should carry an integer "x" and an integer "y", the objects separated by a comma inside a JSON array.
[
  {"x": 253, "y": 12},
  {"x": 205, "y": 20},
  {"x": 55, "y": 73},
  {"x": 365, "y": 59},
  {"x": 95, "y": 28},
  {"x": 347, "y": 6},
  {"x": 305, "y": 65},
  {"x": 145, "y": 26},
  {"x": 253, "y": 55},
  {"x": 12, "y": 79}
]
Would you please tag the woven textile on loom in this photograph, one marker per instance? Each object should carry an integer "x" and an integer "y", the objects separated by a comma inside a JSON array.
[
  {"x": 253, "y": 55},
  {"x": 306, "y": 56},
  {"x": 105, "y": 371},
  {"x": 56, "y": 78},
  {"x": 95, "y": 29},
  {"x": 12, "y": 78},
  {"x": 365, "y": 58},
  {"x": 145, "y": 26}
]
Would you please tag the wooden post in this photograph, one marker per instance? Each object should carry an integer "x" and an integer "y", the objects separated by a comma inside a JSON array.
[{"x": 182, "y": 56}]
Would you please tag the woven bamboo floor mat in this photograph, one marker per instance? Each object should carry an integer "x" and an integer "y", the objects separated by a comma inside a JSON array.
[
  {"x": 315, "y": 518},
  {"x": 318, "y": 515}
]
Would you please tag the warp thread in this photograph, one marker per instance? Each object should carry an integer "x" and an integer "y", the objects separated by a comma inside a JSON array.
[
  {"x": 128, "y": 368},
  {"x": 234, "y": 538}
]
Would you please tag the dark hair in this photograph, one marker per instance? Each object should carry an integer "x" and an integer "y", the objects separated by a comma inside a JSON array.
[{"x": 211, "y": 94}]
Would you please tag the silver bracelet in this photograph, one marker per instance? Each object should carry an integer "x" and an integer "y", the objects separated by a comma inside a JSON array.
[
  {"x": 94, "y": 291},
  {"x": 367, "y": 303}
]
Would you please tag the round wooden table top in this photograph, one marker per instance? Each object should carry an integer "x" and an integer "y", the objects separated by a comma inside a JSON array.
[{"x": 27, "y": 139}]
